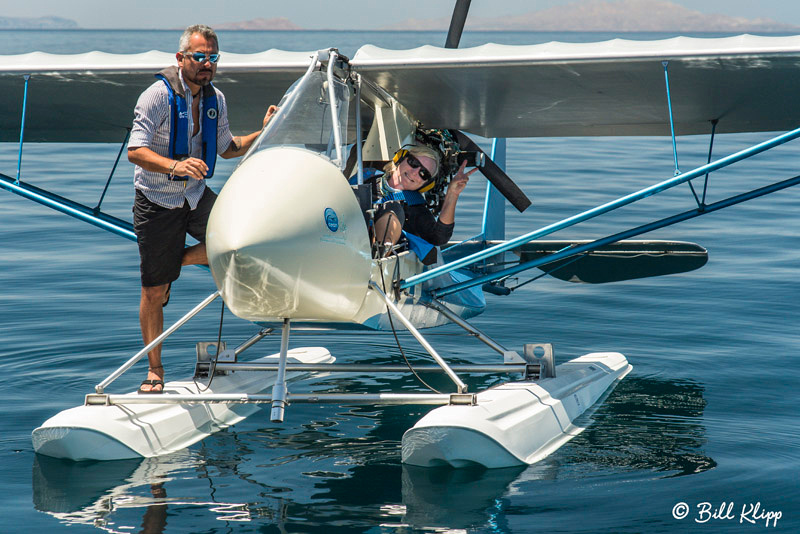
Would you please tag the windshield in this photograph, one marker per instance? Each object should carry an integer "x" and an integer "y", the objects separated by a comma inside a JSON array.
[{"x": 304, "y": 118}]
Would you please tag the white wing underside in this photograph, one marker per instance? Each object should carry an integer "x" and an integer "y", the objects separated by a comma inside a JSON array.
[
  {"x": 617, "y": 87},
  {"x": 90, "y": 97}
]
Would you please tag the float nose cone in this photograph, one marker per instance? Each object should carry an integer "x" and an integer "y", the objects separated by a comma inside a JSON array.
[{"x": 287, "y": 238}]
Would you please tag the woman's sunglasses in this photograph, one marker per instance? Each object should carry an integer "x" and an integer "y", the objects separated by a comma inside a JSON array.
[
  {"x": 200, "y": 57},
  {"x": 414, "y": 163}
]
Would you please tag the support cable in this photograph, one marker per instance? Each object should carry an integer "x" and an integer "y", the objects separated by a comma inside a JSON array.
[
  {"x": 665, "y": 64},
  {"x": 213, "y": 368},
  {"x": 710, "y": 149},
  {"x": 701, "y": 203},
  {"x": 397, "y": 339},
  {"x": 96, "y": 209},
  {"x": 22, "y": 125}
]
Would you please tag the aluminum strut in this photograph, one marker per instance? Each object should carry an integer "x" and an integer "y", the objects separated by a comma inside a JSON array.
[
  {"x": 359, "y": 141},
  {"x": 279, "y": 389},
  {"x": 327, "y": 368},
  {"x": 253, "y": 340},
  {"x": 99, "y": 388},
  {"x": 509, "y": 356},
  {"x": 467, "y": 399},
  {"x": 702, "y": 203},
  {"x": 337, "y": 136},
  {"x": 462, "y": 387}
]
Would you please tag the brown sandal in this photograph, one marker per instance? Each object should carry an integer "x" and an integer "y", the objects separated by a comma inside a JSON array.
[{"x": 152, "y": 383}]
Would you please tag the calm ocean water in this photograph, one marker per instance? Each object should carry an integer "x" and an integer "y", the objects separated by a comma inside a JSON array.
[{"x": 709, "y": 414}]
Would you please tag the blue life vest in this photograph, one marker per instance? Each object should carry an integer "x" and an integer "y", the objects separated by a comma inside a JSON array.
[
  {"x": 411, "y": 198},
  {"x": 421, "y": 248},
  {"x": 179, "y": 126}
]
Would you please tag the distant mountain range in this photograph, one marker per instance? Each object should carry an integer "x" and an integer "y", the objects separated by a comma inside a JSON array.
[
  {"x": 586, "y": 15},
  {"x": 40, "y": 23},
  {"x": 607, "y": 16},
  {"x": 280, "y": 23}
]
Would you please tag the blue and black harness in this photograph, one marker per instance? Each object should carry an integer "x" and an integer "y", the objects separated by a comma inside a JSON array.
[
  {"x": 419, "y": 246},
  {"x": 179, "y": 124}
]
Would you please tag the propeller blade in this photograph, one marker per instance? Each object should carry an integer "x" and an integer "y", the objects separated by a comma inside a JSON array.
[
  {"x": 457, "y": 23},
  {"x": 494, "y": 174},
  {"x": 490, "y": 170}
]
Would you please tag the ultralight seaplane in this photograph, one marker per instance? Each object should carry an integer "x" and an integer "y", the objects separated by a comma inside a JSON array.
[{"x": 289, "y": 237}]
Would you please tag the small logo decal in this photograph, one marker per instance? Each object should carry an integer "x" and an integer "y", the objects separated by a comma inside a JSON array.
[
  {"x": 212, "y": 113},
  {"x": 331, "y": 219}
]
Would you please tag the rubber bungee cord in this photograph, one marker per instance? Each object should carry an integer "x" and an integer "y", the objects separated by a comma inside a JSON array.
[
  {"x": 397, "y": 339},
  {"x": 213, "y": 369}
]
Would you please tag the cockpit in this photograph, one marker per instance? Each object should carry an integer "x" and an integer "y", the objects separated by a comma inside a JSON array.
[{"x": 351, "y": 122}]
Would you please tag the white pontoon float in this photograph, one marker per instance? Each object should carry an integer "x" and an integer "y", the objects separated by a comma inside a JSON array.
[{"x": 515, "y": 423}]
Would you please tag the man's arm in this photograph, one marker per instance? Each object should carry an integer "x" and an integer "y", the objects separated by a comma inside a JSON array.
[
  {"x": 150, "y": 161},
  {"x": 241, "y": 144},
  {"x": 150, "y": 113}
]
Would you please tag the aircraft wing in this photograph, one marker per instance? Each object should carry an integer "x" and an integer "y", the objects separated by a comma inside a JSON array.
[
  {"x": 616, "y": 87},
  {"x": 90, "y": 97}
]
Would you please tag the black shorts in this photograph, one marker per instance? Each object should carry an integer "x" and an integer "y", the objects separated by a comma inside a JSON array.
[{"x": 161, "y": 234}]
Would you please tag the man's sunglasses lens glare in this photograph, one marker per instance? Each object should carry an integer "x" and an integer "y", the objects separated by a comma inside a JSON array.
[{"x": 202, "y": 58}]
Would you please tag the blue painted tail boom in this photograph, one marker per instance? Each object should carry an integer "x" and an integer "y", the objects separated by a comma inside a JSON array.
[
  {"x": 599, "y": 210},
  {"x": 494, "y": 210},
  {"x": 71, "y": 208}
]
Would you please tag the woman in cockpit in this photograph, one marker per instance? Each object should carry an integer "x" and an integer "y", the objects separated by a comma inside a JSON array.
[{"x": 401, "y": 205}]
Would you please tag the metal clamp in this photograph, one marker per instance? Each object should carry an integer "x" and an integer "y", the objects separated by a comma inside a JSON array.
[
  {"x": 97, "y": 399},
  {"x": 463, "y": 399},
  {"x": 541, "y": 354},
  {"x": 533, "y": 371}
]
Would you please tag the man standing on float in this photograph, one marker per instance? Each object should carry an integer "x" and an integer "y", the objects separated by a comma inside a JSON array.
[{"x": 180, "y": 125}]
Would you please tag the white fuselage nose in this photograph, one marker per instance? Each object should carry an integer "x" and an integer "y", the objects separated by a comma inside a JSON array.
[{"x": 287, "y": 239}]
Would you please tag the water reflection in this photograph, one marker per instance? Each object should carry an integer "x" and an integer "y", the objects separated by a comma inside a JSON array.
[
  {"x": 341, "y": 465},
  {"x": 155, "y": 517},
  {"x": 119, "y": 496},
  {"x": 648, "y": 423},
  {"x": 455, "y": 498}
]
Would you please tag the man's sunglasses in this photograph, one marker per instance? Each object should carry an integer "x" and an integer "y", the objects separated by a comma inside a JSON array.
[
  {"x": 414, "y": 163},
  {"x": 200, "y": 57}
]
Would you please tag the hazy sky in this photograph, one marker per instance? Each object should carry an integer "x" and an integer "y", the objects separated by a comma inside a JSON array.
[{"x": 318, "y": 14}]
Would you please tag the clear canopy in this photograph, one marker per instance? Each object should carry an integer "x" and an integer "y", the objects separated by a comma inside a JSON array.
[{"x": 304, "y": 118}]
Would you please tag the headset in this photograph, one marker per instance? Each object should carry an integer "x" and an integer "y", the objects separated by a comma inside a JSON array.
[{"x": 399, "y": 156}]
